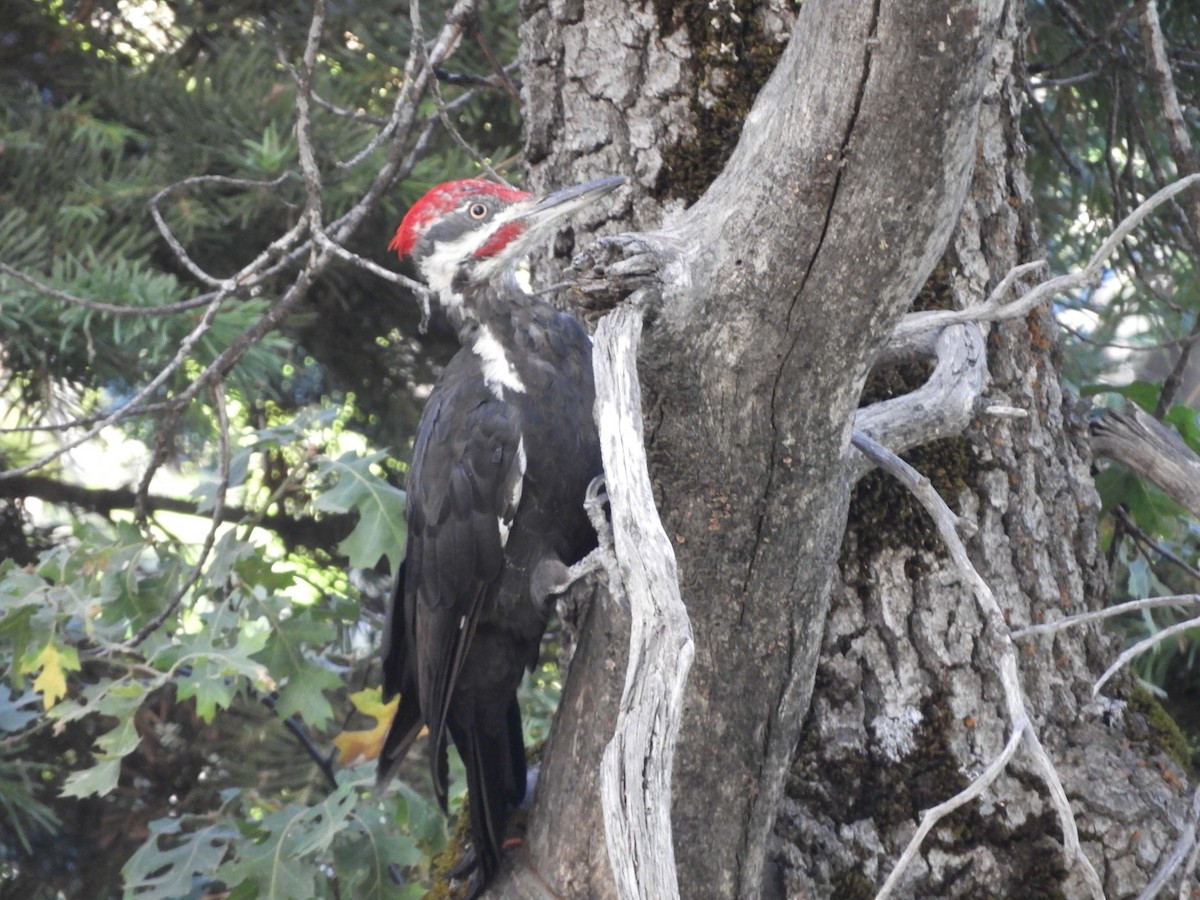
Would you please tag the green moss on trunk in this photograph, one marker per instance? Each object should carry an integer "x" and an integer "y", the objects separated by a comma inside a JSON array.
[{"x": 732, "y": 60}]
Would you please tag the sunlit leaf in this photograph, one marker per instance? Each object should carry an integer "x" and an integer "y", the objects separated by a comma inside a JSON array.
[
  {"x": 303, "y": 694},
  {"x": 366, "y": 744},
  {"x": 169, "y": 863},
  {"x": 52, "y": 663},
  {"x": 380, "y": 508}
]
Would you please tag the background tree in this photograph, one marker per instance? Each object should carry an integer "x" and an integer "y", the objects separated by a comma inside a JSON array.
[
  {"x": 173, "y": 656},
  {"x": 849, "y": 671}
]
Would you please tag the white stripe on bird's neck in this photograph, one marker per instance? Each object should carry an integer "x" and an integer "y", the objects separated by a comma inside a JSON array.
[{"x": 498, "y": 370}]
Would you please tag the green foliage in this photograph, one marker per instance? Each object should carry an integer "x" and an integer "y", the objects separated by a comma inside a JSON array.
[
  {"x": 151, "y": 683},
  {"x": 345, "y": 845},
  {"x": 380, "y": 509},
  {"x": 23, "y": 813},
  {"x": 250, "y": 625}
]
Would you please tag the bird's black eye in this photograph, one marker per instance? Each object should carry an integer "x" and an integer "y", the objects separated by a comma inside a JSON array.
[{"x": 478, "y": 210}]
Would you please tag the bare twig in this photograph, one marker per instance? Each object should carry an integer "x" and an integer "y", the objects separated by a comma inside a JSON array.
[
  {"x": 1185, "y": 888},
  {"x": 1187, "y": 161},
  {"x": 252, "y": 273},
  {"x": 1184, "y": 846},
  {"x": 164, "y": 441},
  {"x": 421, "y": 290},
  {"x": 1148, "y": 543},
  {"x": 223, "y": 456},
  {"x": 935, "y": 814},
  {"x": 169, "y": 236},
  {"x": 1183, "y": 153},
  {"x": 1141, "y": 647},
  {"x": 303, "y": 75},
  {"x": 993, "y": 310},
  {"x": 338, "y": 231},
  {"x": 404, "y": 113},
  {"x": 184, "y": 351},
  {"x": 83, "y": 421},
  {"x": 1039, "y": 116},
  {"x": 1150, "y": 448},
  {"x": 112, "y": 309},
  {"x": 440, "y": 102},
  {"x": 285, "y": 251},
  {"x": 1005, "y": 654},
  {"x": 1167, "y": 344},
  {"x": 312, "y": 217},
  {"x": 1097, "y": 615},
  {"x": 323, "y": 761},
  {"x": 416, "y": 77},
  {"x": 307, "y": 530},
  {"x": 343, "y": 113},
  {"x": 940, "y": 408}
]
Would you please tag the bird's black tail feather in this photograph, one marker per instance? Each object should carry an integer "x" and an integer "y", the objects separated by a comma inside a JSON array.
[
  {"x": 495, "y": 766},
  {"x": 403, "y": 731}
]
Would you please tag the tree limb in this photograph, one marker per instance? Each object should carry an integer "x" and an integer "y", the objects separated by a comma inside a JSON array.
[
  {"x": 303, "y": 530},
  {"x": 1108, "y": 612},
  {"x": 210, "y": 538},
  {"x": 994, "y": 309},
  {"x": 1183, "y": 153},
  {"x": 942, "y": 407},
  {"x": 636, "y": 770},
  {"x": 1150, "y": 448},
  {"x": 1185, "y": 848},
  {"x": 1141, "y": 647},
  {"x": 1145, "y": 542}
]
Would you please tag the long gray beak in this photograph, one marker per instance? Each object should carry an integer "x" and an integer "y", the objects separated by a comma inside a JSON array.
[{"x": 564, "y": 202}]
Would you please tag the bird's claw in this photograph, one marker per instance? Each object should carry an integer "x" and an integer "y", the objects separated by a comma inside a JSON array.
[
  {"x": 613, "y": 267},
  {"x": 466, "y": 864},
  {"x": 595, "y": 503},
  {"x": 595, "y": 499}
]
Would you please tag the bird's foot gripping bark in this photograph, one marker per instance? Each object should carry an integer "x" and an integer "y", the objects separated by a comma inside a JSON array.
[
  {"x": 571, "y": 588},
  {"x": 611, "y": 268},
  {"x": 601, "y": 562},
  {"x": 467, "y": 864}
]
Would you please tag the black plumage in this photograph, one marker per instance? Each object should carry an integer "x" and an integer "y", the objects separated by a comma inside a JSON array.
[{"x": 505, "y": 450}]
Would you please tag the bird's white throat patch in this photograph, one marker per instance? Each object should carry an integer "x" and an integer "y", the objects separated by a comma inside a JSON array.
[{"x": 498, "y": 370}]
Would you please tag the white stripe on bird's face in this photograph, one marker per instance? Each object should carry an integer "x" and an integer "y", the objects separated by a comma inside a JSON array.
[{"x": 448, "y": 257}]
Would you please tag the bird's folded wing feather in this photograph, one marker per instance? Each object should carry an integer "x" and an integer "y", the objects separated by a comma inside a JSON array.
[{"x": 464, "y": 486}]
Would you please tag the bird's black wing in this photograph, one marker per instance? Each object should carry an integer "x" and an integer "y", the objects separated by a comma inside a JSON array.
[
  {"x": 463, "y": 490},
  {"x": 398, "y": 678}
]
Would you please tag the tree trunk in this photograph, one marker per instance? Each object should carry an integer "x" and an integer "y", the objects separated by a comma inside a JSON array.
[
  {"x": 781, "y": 287},
  {"x": 906, "y": 708}
]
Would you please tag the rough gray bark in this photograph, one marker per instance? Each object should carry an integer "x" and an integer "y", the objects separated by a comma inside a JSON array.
[
  {"x": 850, "y": 169},
  {"x": 780, "y": 287},
  {"x": 638, "y": 761},
  {"x": 906, "y": 710}
]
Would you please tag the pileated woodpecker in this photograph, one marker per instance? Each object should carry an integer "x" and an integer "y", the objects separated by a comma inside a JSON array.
[{"x": 505, "y": 450}]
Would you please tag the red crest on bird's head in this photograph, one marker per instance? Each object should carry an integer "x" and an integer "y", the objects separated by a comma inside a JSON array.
[{"x": 443, "y": 199}]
